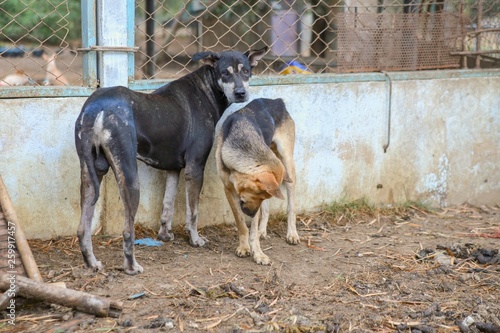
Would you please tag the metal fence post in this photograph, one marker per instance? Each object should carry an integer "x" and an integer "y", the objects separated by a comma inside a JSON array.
[
  {"x": 115, "y": 29},
  {"x": 89, "y": 39}
]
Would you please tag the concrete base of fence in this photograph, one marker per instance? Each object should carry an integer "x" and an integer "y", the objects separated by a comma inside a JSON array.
[{"x": 443, "y": 150}]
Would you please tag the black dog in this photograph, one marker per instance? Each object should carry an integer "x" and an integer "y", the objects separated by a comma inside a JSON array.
[{"x": 170, "y": 129}]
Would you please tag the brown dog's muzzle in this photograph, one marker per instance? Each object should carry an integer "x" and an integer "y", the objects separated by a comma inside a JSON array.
[{"x": 247, "y": 210}]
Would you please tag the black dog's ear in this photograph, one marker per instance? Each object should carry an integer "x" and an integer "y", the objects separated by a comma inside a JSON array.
[
  {"x": 208, "y": 58},
  {"x": 255, "y": 55}
]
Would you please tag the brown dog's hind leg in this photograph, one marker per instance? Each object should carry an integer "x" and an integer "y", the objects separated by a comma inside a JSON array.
[
  {"x": 285, "y": 142},
  {"x": 258, "y": 256},
  {"x": 167, "y": 215},
  {"x": 292, "y": 236},
  {"x": 264, "y": 218},
  {"x": 243, "y": 249},
  {"x": 84, "y": 232}
]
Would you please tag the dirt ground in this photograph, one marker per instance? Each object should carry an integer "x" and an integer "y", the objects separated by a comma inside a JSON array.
[{"x": 400, "y": 270}]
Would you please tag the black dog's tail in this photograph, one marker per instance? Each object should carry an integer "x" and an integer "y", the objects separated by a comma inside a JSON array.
[{"x": 91, "y": 156}]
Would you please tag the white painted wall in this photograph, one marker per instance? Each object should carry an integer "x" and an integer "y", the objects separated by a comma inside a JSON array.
[{"x": 444, "y": 150}]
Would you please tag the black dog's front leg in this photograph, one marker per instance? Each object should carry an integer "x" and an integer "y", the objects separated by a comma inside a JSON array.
[
  {"x": 194, "y": 182},
  {"x": 167, "y": 215}
]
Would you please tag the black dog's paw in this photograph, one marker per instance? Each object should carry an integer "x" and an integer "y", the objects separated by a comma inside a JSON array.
[
  {"x": 165, "y": 235},
  {"x": 198, "y": 242}
]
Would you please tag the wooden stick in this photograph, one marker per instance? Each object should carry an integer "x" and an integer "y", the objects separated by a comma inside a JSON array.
[
  {"x": 66, "y": 297},
  {"x": 6, "y": 297},
  {"x": 21, "y": 243}
]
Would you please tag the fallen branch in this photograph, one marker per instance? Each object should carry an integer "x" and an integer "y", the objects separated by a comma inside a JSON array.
[
  {"x": 21, "y": 243},
  {"x": 67, "y": 297}
]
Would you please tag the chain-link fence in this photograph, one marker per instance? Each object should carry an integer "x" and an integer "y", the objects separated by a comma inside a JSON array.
[
  {"x": 320, "y": 36},
  {"x": 39, "y": 40}
]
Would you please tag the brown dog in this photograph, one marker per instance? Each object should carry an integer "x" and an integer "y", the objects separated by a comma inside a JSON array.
[{"x": 254, "y": 156}]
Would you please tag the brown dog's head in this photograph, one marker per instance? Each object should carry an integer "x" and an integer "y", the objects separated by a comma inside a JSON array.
[{"x": 252, "y": 189}]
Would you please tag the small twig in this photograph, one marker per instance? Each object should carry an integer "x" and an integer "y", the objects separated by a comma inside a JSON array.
[
  {"x": 274, "y": 302},
  {"x": 30, "y": 318},
  {"x": 361, "y": 295},
  {"x": 274, "y": 311},
  {"x": 250, "y": 294},
  {"x": 113, "y": 240},
  {"x": 152, "y": 293},
  {"x": 314, "y": 247},
  {"x": 221, "y": 319},
  {"x": 418, "y": 209},
  {"x": 408, "y": 323},
  {"x": 94, "y": 279},
  {"x": 306, "y": 223},
  {"x": 98, "y": 230},
  {"x": 370, "y": 306}
]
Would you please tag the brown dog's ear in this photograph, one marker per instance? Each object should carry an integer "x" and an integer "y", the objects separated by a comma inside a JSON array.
[
  {"x": 208, "y": 58},
  {"x": 255, "y": 55},
  {"x": 269, "y": 184},
  {"x": 277, "y": 193},
  {"x": 286, "y": 178}
]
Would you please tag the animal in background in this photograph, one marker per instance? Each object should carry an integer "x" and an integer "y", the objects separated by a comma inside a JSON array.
[
  {"x": 19, "y": 78},
  {"x": 53, "y": 76}
]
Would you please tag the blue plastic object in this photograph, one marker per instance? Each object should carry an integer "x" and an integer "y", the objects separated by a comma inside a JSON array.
[{"x": 148, "y": 242}]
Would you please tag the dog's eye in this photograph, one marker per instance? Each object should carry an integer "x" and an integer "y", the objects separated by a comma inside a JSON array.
[
  {"x": 225, "y": 72},
  {"x": 246, "y": 71}
]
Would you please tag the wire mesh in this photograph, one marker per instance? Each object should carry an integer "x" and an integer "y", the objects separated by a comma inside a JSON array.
[
  {"x": 39, "y": 39},
  {"x": 319, "y": 36},
  {"x": 396, "y": 41},
  {"x": 35, "y": 42}
]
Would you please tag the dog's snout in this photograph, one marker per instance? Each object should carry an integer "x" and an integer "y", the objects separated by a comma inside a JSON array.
[
  {"x": 246, "y": 210},
  {"x": 240, "y": 93}
]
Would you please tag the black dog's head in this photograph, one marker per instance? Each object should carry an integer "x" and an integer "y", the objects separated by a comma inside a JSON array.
[{"x": 233, "y": 70}]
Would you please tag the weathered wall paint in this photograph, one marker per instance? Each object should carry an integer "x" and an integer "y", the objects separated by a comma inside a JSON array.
[{"x": 444, "y": 150}]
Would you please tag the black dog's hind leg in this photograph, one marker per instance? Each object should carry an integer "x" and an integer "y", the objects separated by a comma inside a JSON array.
[
  {"x": 84, "y": 233},
  {"x": 167, "y": 215},
  {"x": 128, "y": 182}
]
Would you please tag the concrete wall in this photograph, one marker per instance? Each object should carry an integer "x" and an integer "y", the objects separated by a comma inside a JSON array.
[{"x": 444, "y": 149}]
